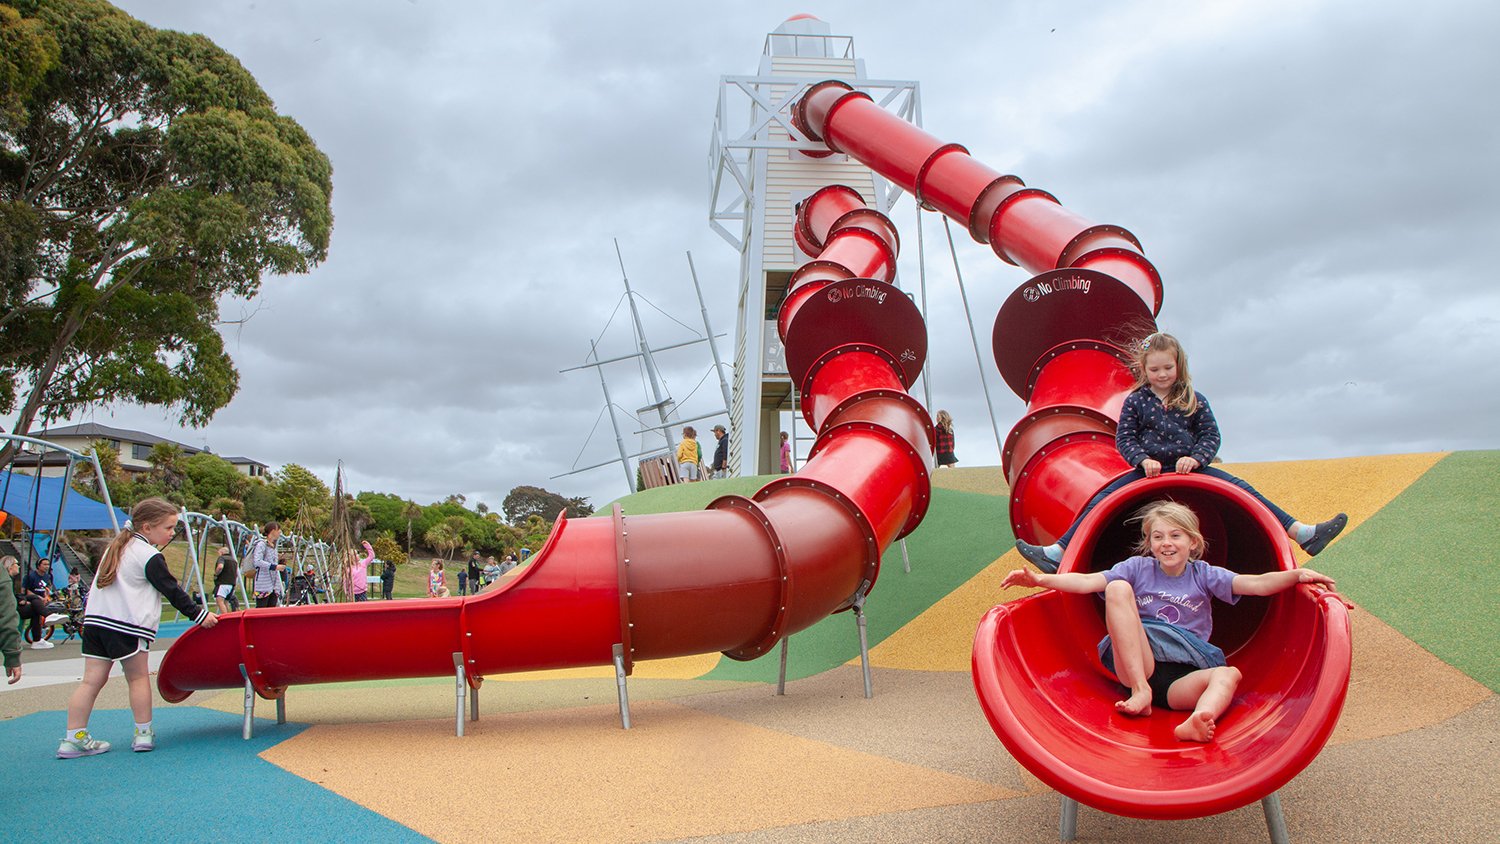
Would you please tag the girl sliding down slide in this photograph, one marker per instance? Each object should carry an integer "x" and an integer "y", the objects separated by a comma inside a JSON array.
[{"x": 1159, "y": 618}]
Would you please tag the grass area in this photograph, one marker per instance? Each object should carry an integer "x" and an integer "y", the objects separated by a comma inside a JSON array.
[{"x": 1428, "y": 563}]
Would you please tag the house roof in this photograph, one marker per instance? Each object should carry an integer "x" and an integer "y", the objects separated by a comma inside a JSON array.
[{"x": 93, "y": 430}]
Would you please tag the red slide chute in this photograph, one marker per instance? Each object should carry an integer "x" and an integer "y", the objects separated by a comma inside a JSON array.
[
  {"x": 736, "y": 577},
  {"x": 1059, "y": 342}
]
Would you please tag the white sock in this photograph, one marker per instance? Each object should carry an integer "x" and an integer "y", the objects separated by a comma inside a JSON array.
[
  {"x": 72, "y": 734},
  {"x": 143, "y": 728},
  {"x": 1305, "y": 533},
  {"x": 1054, "y": 552}
]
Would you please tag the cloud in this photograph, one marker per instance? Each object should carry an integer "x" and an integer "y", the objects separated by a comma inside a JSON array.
[{"x": 1315, "y": 180}]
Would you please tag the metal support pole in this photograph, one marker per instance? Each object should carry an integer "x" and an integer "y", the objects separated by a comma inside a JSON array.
[
  {"x": 864, "y": 644},
  {"x": 969, "y": 317},
  {"x": 905, "y": 557},
  {"x": 619, "y": 654},
  {"x": 781, "y": 678},
  {"x": 249, "y": 727},
  {"x": 474, "y": 704},
  {"x": 459, "y": 689},
  {"x": 1275, "y": 821},
  {"x": 1067, "y": 826},
  {"x": 609, "y": 407},
  {"x": 640, "y": 335},
  {"x": 281, "y": 709},
  {"x": 708, "y": 332}
]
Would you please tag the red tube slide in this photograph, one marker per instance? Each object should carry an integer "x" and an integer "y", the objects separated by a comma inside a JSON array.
[
  {"x": 736, "y": 577},
  {"x": 1060, "y": 343},
  {"x": 1051, "y": 702}
]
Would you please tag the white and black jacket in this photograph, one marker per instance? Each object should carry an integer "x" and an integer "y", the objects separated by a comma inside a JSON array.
[{"x": 130, "y": 605}]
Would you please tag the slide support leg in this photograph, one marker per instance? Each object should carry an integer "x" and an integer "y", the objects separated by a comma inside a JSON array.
[
  {"x": 460, "y": 689},
  {"x": 1275, "y": 821},
  {"x": 781, "y": 677},
  {"x": 249, "y": 728},
  {"x": 619, "y": 653},
  {"x": 1067, "y": 826},
  {"x": 864, "y": 644},
  {"x": 281, "y": 709}
]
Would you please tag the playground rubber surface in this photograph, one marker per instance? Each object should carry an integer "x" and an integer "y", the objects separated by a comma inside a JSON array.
[{"x": 714, "y": 755}]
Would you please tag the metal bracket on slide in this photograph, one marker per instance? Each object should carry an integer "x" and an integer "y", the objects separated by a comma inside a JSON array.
[{"x": 1067, "y": 826}]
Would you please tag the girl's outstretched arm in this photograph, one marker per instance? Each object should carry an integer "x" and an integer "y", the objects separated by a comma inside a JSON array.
[
  {"x": 1277, "y": 581},
  {"x": 1075, "y": 582}
]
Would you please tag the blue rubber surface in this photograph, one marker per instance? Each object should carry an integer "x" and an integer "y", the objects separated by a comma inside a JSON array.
[{"x": 202, "y": 783}]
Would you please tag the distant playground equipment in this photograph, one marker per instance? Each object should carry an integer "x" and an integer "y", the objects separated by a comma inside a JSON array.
[
  {"x": 615, "y": 590},
  {"x": 22, "y": 498},
  {"x": 1057, "y": 344}
]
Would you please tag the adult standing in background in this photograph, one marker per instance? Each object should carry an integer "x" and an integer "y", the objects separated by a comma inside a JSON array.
[
  {"x": 36, "y": 587},
  {"x": 721, "y": 453},
  {"x": 262, "y": 558},
  {"x": 387, "y": 580},
  {"x": 476, "y": 571},
  {"x": 10, "y": 621},
  {"x": 226, "y": 572}
]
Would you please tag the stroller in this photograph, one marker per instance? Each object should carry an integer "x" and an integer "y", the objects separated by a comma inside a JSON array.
[{"x": 303, "y": 588}]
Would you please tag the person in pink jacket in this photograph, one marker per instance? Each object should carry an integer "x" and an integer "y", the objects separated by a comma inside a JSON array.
[{"x": 356, "y": 576}]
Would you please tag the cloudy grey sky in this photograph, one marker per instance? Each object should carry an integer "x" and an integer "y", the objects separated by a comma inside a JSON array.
[{"x": 1317, "y": 180}]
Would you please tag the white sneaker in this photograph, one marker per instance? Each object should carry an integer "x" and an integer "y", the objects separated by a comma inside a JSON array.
[
  {"x": 81, "y": 744},
  {"x": 41, "y": 645},
  {"x": 143, "y": 741}
]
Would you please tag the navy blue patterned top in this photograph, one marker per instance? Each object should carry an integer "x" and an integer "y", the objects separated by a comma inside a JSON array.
[{"x": 1147, "y": 429}]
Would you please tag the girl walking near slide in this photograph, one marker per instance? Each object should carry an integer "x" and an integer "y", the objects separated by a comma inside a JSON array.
[
  {"x": 120, "y": 622},
  {"x": 1159, "y": 617},
  {"x": 1166, "y": 425}
]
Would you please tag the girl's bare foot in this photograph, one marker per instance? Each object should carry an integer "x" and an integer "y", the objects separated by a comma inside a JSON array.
[
  {"x": 1198, "y": 727},
  {"x": 1138, "y": 704}
]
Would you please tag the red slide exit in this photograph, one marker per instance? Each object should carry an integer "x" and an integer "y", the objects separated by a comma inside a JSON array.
[
  {"x": 736, "y": 577},
  {"x": 1060, "y": 342}
]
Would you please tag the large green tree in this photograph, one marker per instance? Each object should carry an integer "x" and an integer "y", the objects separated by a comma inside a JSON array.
[
  {"x": 144, "y": 175},
  {"x": 525, "y": 501}
]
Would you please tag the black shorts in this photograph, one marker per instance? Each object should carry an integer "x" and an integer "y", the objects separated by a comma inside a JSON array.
[
  {"x": 1161, "y": 679},
  {"x": 100, "y": 643}
]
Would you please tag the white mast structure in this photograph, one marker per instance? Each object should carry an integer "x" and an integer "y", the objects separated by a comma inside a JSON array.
[{"x": 760, "y": 173}]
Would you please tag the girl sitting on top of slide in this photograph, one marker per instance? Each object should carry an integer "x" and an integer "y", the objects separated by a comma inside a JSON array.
[{"x": 1166, "y": 425}]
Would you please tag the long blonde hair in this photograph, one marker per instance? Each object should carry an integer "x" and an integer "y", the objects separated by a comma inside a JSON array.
[
  {"x": 1181, "y": 396},
  {"x": 146, "y": 511},
  {"x": 1177, "y": 515},
  {"x": 945, "y": 420}
]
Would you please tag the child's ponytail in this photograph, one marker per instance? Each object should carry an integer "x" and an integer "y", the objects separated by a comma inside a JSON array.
[{"x": 146, "y": 511}]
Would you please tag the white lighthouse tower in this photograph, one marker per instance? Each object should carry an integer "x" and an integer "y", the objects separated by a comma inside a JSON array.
[{"x": 762, "y": 167}]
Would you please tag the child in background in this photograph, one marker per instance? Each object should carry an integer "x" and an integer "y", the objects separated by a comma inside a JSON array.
[
  {"x": 1159, "y": 618},
  {"x": 945, "y": 455},
  {"x": 437, "y": 581},
  {"x": 687, "y": 455},
  {"x": 786, "y": 454},
  {"x": 120, "y": 621},
  {"x": 1166, "y": 425},
  {"x": 357, "y": 577}
]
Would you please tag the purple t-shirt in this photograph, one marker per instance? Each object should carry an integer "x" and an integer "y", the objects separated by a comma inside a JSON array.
[{"x": 1182, "y": 600}]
